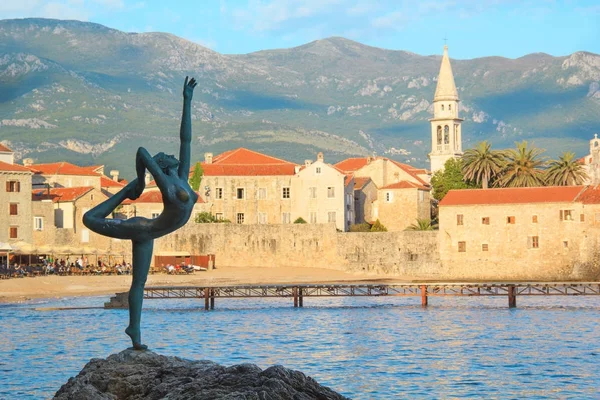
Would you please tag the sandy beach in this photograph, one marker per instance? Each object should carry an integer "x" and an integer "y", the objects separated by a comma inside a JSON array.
[{"x": 23, "y": 289}]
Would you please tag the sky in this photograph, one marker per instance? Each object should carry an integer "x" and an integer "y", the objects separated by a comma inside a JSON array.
[{"x": 472, "y": 28}]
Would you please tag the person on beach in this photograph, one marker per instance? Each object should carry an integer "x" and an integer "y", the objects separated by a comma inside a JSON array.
[{"x": 171, "y": 176}]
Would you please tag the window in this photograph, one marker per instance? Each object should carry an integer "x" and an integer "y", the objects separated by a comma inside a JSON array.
[
  {"x": 484, "y": 247},
  {"x": 14, "y": 232},
  {"x": 155, "y": 214},
  {"x": 38, "y": 223},
  {"x": 331, "y": 216},
  {"x": 219, "y": 216},
  {"x": 318, "y": 170},
  {"x": 421, "y": 195},
  {"x": 331, "y": 192},
  {"x": 565, "y": 244},
  {"x": 85, "y": 236},
  {"x": 462, "y": 247},
  {"x": 439, "y": 135},
  {"x": 566, "y": 215},
  {"x": 13, "y": 209},
  {"x": 533, "y": 242},
  {"x": 534, "y": 219},
  {"x": 581, "y": 217},
  {"x": 239, "y": 218},
  {"x": 313, "y": 217},
  {"x": 218, "y": 193},
  {"x": 312, "y": 192},
  {"x": 13, "y": 186},
  {"x": 285, "y": 193},
  {"x": 459, "y": 219},
  {"x": 389, "y": 197},
  {"x": 449, "y": 107},
  {"x": 262, "y": 193},
  {"x": 485, "y": 220},
  {"x": 262, "y": 218},
  {"x": 285, "y": 218},
  {"x": 442, "y": 107},
  {"x": 240, "y": 194},
  {"x": 446, "y": 134},
  {"x": 510, "y": 220}
]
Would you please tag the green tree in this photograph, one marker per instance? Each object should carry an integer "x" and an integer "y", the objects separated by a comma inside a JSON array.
[
  {"x": 481, "y": 164},
  {"x": 205, "y": 217},
  {"x": 523, "y": 168},
  {"x": 451, "y": 177},
  {"x": 378, "y": 227},
  {"x": 565, "y": 171},
  {"x": 364, "y": 227},
  {"x": 196, "y": 178},
  {"x": 300, "y": 220},
  {"x": 421, "y": 225}
]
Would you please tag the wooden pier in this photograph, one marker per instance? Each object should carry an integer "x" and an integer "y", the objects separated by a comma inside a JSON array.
[{"x": 423, "y": 290}]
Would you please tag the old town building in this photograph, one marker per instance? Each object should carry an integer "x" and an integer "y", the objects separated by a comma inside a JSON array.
[{"x": 591, "y": 162}]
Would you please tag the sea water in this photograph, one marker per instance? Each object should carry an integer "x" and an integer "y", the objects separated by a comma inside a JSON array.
[{"x": 370, "y": 348}]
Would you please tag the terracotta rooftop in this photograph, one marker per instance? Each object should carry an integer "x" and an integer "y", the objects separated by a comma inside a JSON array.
[
  {"x": 107, "y": 182},
  {"x": 244, "y": 162},
  {"x": 61, "y": 168},
  {"x": 153, "y": 196},
  {"x": 548, "y": 194},
  {"x": 60, "y": 194},
  {"x": 5, "y": 149},
  {"x": 406, "y": 185},
  {"x": 591, "y": 195},
  {"x": 350, "y": 165},
  {"x": 359, "y": 183},
  {"x": 6, "y": 167},
  {"x": 347, "y": 180}
]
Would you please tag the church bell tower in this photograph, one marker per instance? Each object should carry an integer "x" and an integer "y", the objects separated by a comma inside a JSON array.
[{"x": 446, "y": 132}]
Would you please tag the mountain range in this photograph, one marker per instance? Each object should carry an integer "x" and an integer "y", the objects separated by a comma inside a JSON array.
[{"x": 88, "y": 94}]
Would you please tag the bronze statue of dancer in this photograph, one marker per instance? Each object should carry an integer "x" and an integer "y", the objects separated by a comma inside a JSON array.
[{"x": 171, "y": 177}]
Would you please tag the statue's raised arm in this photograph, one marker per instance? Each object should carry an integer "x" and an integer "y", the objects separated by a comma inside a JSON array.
[{"x": 185, "y": 133}]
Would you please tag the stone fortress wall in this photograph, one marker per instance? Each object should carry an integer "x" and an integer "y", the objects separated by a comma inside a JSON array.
[{"x": 405, "y": 255}]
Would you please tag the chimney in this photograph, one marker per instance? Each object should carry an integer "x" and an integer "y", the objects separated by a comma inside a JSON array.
[
  {"x": 28, "y": 162},
  {"x": 147, "y": 178},
  {"x": 114, "y": 174},
  {"x": 320, "y": 156},
  {"x": 307, "y": 162},
  {"x": 369, "y": 159},
  {"x": 208, "y": 158},
  {"x": 296, "y": 169}
]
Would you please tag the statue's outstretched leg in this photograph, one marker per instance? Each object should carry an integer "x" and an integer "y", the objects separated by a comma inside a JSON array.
[{"x": 142, "y": 255}]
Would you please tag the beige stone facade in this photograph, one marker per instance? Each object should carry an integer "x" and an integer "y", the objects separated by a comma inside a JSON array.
[
  {"x": 399, "y": 208},
  {"x": 16, "y": 222},
  {"x": 365, "y": 194}
]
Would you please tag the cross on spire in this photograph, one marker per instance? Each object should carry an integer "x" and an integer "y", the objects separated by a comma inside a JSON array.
[{"x": 445, "y": 40}]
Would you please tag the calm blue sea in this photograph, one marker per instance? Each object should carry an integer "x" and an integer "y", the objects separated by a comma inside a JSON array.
[{"x": 374, "y": 348}]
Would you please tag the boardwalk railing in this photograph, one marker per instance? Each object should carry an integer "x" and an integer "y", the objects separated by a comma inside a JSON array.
[{"x": 423, "y": 290}]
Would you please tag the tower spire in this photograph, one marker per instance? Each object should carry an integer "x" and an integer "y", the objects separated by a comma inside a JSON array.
[{"x": 446, "y": 89}]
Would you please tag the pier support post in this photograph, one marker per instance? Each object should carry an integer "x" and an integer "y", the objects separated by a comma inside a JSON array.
[
  {"x": 300, "y": 298},
  {"x": 206, "y": 298},
  {"x": 424, "y": 299},
  {"x": 212, "y": 299},
  {"x": 512, "y": 296},
  {"x": 295, "y": 293}
]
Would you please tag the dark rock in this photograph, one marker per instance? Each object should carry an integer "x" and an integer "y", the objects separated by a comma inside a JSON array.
[{"x": 133, "y": 375}]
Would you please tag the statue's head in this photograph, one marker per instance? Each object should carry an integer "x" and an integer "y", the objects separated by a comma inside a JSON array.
[{"x": 166, "y": 161}]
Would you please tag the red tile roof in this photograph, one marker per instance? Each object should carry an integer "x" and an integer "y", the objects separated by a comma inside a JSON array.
[
  {"x": 244, "y": 162},
  {"x": 5, "y": 149},
  {"x": 153, "y": 196},
  {"x": 6, "y": 167},
  {"x": 93, "y": 168},
  {"x": 107, "y": 182},
  {"x": 406, "y": 185},
  {"x": 591, "y": 195},
  {"x": 360, "y": 183},
  {"x": 350, "y": 165},
  {"x": 347, "y": 180},
  {"x": 549, "y": 194},
  {"x": 61, "y": 168},
  {"x": 60, "y": 194}
]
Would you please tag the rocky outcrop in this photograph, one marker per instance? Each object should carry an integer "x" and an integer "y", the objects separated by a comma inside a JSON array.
[{"x": 146, "y": 375}]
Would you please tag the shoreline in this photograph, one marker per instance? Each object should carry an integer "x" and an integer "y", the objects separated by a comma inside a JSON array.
[{"x": 20, "y": 290}]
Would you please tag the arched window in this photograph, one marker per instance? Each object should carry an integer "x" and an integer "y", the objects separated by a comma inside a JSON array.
[
  {"x": 442, "y": 107},
  {"x": 595, "y": 143},
  {"x": 439, "y": 135},
  {"x": 449, "y": 107},
  {"x": 446, "y": 134}
]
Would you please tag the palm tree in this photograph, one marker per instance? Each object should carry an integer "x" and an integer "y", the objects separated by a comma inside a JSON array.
[
  {"x": 421, "y": 225},
  {"x": 566, "y": 171},
  {"x": 481, "y": 163},
  {"x": 523, "y": 167}
]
